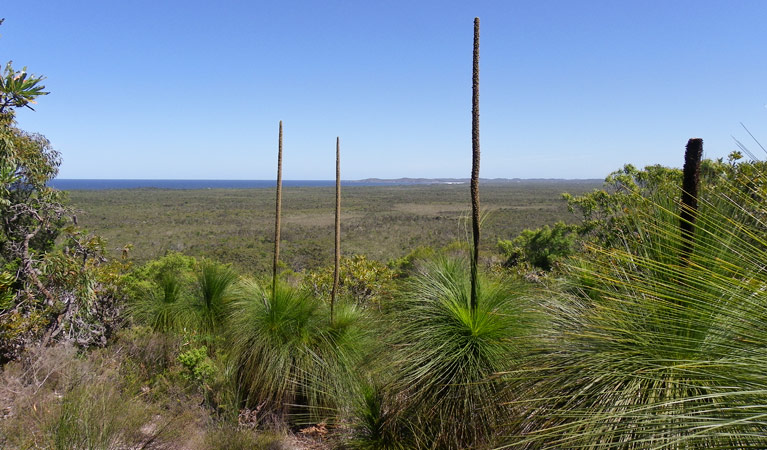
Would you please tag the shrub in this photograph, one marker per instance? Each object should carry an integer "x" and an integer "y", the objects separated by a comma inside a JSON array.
[
  {"x": 374, "y": 425},
  {"x": 541, "y": 248},
  {"x": 361, "y": 280},
  {"x": 198, "y": 366},
  {"x": 159, "y": 292},
  {"x": 209, "y": 307}
]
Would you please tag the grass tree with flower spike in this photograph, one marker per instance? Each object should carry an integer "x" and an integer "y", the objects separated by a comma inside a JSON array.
[
  {"x": 456, "y": 329},
  {"x": 293, "y": 357}
]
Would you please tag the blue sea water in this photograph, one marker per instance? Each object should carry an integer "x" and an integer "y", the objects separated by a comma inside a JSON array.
[{"x": 71, "y": 185}]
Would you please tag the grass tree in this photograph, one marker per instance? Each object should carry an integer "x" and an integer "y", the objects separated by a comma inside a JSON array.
[
  {"x": 160, "y": 293},
  {"x": 690, "y": 188},
  {"x": 161, "y": 308},
  {"x": 210, "y": 305},
  {"x": 446, "y": 353},
  {"x": 649, "y": 351},
  {"x": 455, "y": 330},
  {"x": 290, "y": 361}
]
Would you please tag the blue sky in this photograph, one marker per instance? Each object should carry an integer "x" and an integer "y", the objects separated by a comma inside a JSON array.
[{"x": 195, "y": 89}]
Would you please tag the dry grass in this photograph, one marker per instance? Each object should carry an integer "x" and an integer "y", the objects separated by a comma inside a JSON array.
[{"x": 122, "y": 397}]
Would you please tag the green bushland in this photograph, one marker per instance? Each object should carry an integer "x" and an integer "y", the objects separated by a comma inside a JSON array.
[
  {"x": 635, "y": 334},
  {"x": 179, "y": 293},
  {"x": 381, "y": 223},
  {"x": 362, "y": 281},
  {"x": 618, "y": 345}
]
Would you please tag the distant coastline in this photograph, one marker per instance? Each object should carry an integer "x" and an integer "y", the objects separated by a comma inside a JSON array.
[{"x": 101, "y": 184}]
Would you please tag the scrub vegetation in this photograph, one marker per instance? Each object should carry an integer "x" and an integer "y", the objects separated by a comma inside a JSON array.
[{"x": 380, "y": 222}]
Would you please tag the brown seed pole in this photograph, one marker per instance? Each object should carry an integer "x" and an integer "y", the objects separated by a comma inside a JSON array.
[
  {"x": 690, "y": 187},
  {"x": 475, "y": 167},
  {"x": 336, "y": 270},
  {"x": 277, "y": 215}
]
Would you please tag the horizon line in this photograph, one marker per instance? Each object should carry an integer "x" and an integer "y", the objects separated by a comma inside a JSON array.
[{"x": 319, "y": 179}]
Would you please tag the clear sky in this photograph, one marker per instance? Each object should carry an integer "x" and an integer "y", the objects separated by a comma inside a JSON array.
[{"x": 569, "y": 89}]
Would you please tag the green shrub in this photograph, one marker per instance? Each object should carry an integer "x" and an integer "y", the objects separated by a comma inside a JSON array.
[
  {"x": 209, "y": 307},
  {"x": 159, "y": 292},
  {"x": 541, "y": 248},
  {"x": 198, "y": 366},
  {"x": 374, "y": 425},
  {"x": 176, "y": 293},
  {"x": 361, "y": 280},
  {"x": 407, "y": 265}
]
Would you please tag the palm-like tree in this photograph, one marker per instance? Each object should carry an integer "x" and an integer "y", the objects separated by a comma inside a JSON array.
[
  {"x": 289, "y": 358},
  {"x": 446, "y": 354},
  {"x": 656, "y": 352},
  {"x": 214, "y": 294},
  {"x": 162, "y": 307}
]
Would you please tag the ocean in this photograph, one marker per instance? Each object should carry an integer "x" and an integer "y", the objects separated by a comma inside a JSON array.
[{"x": 72, "y": 185}]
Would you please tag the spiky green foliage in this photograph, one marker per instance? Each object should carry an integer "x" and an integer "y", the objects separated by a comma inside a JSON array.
[
  {"x": 19, "y": 89},
  {"x": 375, "y": 426},
  {"x": 161, "y": 308},
  {"x": 541, "y": 248},
  {"x": 159, "y": 292},
  {"x": 652, "y": 353},
  {"x": 446, "y": 355},
  {"x": 176, "y": 293},
  {"x": 210, "y": 305},
  {"x": 288, "y": 357}
]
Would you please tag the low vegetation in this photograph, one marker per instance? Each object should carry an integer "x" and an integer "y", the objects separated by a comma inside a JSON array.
[{"x": 379, "y": 222}]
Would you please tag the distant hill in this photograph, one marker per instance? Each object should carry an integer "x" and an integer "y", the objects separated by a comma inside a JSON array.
[{"x": 466, "y": 180}]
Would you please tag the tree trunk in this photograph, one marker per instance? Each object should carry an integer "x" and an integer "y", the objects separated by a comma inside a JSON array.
[{"x": 690, "y": 187}]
